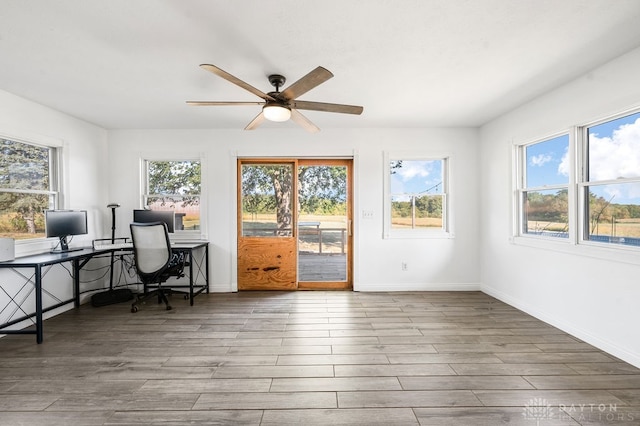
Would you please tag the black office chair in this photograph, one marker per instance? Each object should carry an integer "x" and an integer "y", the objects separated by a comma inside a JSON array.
[{"x": 155, "y": 262}]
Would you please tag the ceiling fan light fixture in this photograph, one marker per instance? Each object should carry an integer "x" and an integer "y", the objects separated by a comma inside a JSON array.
[{"x": 274, "y": 112}]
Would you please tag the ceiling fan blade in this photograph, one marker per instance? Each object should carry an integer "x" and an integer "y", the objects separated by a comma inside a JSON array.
[
  {"x": 258, "y": 120},
  {"x": 235, "y": 80},
  {"x": 306, "y": 83},
  {"x": 322, "y": 106},
  {"x": 304, "y": 122},
  {"x": 221, "y": 103}
]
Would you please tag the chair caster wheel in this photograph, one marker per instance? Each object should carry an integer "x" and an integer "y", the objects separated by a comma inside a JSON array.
[
  {"x": 134, "y": 309},
  {"x": 186, "y": 297},
  {"x": 169, "y": 308}
]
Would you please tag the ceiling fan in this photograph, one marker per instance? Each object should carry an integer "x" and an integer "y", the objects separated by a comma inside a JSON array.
[{"x": 280, "y": 106}]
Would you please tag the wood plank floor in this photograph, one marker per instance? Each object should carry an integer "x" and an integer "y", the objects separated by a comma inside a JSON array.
[{"x": 312, "y": 358}]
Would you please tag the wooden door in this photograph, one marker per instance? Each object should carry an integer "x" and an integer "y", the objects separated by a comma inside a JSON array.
[{"x": 267, "y": 255}]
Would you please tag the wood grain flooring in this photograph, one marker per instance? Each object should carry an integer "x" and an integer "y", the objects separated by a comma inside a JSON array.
[{"x": 312, "y": 358}]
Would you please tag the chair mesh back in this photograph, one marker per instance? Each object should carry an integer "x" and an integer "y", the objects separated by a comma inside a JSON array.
[{"x": 151, "y": 246}]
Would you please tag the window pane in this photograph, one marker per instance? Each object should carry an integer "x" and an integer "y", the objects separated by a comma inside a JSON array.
[
  {"x": 546, "y": 213},
  {"x": 614, "y": 213},
  {"x": 21, "y": 215},
  {"x": 266, "y": 200},
  {"x": 187, "y": 210},
  {"x": 411, "y": 211},
  {"x": 176, "y": 185},
  {"x": 416, "y": 177},
  {"x": 614, "y": 149},
  {"x": 547, "y": 163},
  {"x": 174, "y": 177},
  {"x": 23, "y": 166}
]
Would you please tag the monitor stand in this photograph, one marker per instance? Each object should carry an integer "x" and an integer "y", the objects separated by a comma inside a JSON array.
[{"x": 64, "y": 246}]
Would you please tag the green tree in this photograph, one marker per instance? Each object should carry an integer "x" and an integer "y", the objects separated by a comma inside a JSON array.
[
  {"x": 271, "y": 180},
  {"x": 322, "y": 189},
  {"x": 24, "y": 167},
  {"x": 175, "y": 181}
]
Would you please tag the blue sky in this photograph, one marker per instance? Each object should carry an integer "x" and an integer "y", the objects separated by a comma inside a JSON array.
[
  {"x": 417, "y": 177},
  {"x": 547, "y": 162},
  {"x": 614, "y": 152}
]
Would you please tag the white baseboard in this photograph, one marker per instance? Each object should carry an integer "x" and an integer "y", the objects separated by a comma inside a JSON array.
[
  {"x": 417, "y": 287},
  {"x": 584, "y": 335}
]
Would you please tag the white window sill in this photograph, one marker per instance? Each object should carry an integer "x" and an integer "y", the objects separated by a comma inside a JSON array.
[{"x": 612, "y": 252}]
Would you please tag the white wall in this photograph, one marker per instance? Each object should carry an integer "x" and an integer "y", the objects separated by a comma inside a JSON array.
[
  {"x": 433, "y": 263},
  {"x": 593, "y": 298}
]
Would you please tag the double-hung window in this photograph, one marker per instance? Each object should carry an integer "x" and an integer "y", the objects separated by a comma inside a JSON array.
[
  {"x": 542, "y": 190},
  {"x": 416, "y": 192},
  {"x": 587, "y": 196},
  {"x": 175, "y": 185},
  {"x": 609, "y": 184},
  {"x": 28, "y": 186}
]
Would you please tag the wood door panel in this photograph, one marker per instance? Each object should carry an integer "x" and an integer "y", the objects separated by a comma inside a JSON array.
[{"x": 267, "y": 264}]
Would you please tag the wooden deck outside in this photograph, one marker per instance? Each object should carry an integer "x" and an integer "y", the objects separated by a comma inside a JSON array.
[{"x": 322, "y": 267}]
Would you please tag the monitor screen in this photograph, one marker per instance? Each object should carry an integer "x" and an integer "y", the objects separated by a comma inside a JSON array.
[
  {"x": 64, "y": 223},
  {"x": 146, "y": 216}
]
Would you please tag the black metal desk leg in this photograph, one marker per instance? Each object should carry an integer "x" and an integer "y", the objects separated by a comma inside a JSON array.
[
  {"x": 39, "y": 331},
  {"x": 191, "y": 277},
  {"x": 76, "y": 282},
  {"x": 206, "y": 266}
]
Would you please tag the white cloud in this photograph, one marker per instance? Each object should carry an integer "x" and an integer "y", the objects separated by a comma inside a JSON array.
[
  {"x": 540, "y": 159},
  {"x": 563, "y": 167},
  {"x": 411, "y": 169},
  {"x": 615, "y": 156}
]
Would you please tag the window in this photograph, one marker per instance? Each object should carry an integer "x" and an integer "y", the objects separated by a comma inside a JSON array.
[
  {"x": 416, "y": 193},
  {"x": 543, "y": 188},
  {"x": 610, "y": 181},
  {"x": 175, "y": 185},
  {"x": 587, "y": 196},
  {"x": 28, "y": 186}
]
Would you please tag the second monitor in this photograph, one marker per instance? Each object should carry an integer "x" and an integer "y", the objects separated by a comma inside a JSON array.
[{"x": 146, "y": 216}]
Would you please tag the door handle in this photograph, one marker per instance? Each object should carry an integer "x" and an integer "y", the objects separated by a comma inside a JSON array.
[{"x": 349, "y": 230}]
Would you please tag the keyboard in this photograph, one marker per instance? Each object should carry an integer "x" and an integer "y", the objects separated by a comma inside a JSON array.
[{"x": 114, "y": 246}]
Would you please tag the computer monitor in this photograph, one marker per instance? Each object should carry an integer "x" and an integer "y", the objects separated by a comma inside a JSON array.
[
  {"x": 63, "y": 224},
  {"x": 146, "y": 216}
]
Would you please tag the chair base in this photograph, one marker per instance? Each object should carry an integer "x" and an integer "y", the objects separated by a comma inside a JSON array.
[{"x": 159, "y": 293}]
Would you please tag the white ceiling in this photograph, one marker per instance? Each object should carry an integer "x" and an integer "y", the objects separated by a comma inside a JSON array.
[{"x": 410, "y": 63}]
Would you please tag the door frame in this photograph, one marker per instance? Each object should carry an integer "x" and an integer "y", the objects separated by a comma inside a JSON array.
[{"x": 350, "y": 160}]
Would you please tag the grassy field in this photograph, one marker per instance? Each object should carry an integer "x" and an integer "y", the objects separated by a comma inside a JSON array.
[
  {"x": 622, "y": 228},
  {"x": 421, "y": 222}
]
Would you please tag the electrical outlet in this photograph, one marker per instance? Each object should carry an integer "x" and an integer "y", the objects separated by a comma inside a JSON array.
[{"x": 404, "y": 266}]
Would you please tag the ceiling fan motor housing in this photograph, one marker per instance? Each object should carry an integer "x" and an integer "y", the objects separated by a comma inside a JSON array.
[{"x": 277, "y": 81}]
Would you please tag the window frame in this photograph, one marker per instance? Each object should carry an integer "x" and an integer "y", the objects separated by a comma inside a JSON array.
[
  {"x": 578, "y": 209},
  {"x": 583, "y": 182},
  {"x": 446, "y": 231},
  {"x": 54, "y": 166},
  {"x": 521, "y": 188},
  {"x": 144, "y": 193}
]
